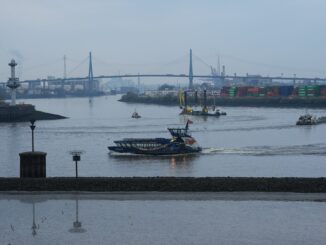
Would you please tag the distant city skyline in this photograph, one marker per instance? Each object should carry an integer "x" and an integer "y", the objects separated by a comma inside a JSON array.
[{"x": 256, "y": 37}]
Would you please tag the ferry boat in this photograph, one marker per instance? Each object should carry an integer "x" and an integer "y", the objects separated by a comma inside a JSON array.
[{"x": 181, "y": 143}]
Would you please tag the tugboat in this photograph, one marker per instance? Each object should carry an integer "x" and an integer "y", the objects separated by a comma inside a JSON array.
[
  {"x": 135, "y": 115},
  {"x": 180, "y": 143},
  {"x": 307, "y": 119},
  {"x": 186, "y": 110}
]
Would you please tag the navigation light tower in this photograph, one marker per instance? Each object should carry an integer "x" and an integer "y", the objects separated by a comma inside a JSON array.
[{"x": 13, "y": 83}]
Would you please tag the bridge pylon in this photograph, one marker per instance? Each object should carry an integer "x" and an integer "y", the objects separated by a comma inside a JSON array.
[
  {"x": 191, "y": 75},
  {"x": 89, "y": 86}
]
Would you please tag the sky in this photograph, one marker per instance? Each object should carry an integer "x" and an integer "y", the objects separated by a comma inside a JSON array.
[{"x": 267, "y": 37}]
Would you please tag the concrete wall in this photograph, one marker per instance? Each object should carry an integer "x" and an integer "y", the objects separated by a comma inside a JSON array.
[{"x": 181, "y": 184}]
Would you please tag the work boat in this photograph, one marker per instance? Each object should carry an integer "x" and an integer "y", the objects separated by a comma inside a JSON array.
[
  {"x": 187, "y": 110},
  {"x": 180, "y": 143}
]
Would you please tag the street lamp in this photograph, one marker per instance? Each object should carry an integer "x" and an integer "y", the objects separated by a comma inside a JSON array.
[
  {"x": 32, "y": 128},
  {"x": 76, "y": 158}
]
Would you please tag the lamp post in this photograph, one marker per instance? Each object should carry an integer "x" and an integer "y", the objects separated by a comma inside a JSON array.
[
  {"x": 76, "y": 159},
  {"x": 32, "y": 128}
]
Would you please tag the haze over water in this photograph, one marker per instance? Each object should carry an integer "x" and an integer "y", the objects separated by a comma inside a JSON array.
[{"x": 246, "y": 142}]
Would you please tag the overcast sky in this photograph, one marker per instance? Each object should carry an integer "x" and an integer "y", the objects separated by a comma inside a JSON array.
[{"x": 269, "y": 37}]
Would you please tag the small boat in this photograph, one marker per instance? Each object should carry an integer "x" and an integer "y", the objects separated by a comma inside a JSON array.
[
  {"x": 181, "y": 143},
  {"x": 307, "y": 119},
  {"x": 135, "y": 115}
]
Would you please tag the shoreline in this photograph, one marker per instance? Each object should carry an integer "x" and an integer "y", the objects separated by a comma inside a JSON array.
[
  {"x": 165, "y": 184},
  {"x": 165, "y": 196},
  {"x": 276, "y": 102}
]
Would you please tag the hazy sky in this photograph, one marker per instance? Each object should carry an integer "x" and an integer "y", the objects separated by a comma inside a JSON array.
[{"x": 269, "y": 37}]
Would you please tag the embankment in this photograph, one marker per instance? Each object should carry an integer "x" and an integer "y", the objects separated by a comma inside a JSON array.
[
  {"x": 291, "y": 102},
  {"x": 166, "y": 184}
]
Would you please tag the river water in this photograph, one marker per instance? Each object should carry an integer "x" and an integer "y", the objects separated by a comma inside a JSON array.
[
  {"x": 161, "y": 218},
  {"x": 246, "y": 142}
]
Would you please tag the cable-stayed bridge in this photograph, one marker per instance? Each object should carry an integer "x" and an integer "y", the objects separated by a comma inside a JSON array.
[{"x": 88, "y": 81}]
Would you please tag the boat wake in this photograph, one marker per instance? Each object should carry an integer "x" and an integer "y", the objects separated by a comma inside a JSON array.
[
  {"x": 311, "y": 149},
  {"x": 118, "y": 154}
]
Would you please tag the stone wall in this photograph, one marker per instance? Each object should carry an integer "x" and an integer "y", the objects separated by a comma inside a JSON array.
[{"x": 169, "y": 184}]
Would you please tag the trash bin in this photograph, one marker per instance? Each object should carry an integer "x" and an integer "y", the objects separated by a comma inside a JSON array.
[{"x": 32, "y": 164}]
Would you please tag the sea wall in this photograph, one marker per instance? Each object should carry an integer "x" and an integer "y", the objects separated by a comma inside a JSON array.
[
  {"x": 165, "y": 184},
  {"x": 292, "y": 102}
]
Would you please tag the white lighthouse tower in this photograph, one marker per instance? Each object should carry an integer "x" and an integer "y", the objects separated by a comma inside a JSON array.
[{"x": 13, "y": 83}]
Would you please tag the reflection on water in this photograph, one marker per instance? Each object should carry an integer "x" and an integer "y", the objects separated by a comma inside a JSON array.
[
  {"x": 32, "y": 202},
  {"x": 34, "y": 227},
  {"x": 182, "y": 161},
  {"x": 175, "y": 163},
  {"x": 124, "y": 218},
  {"x": 77, "y": 225},
  {"x": 35, "y": 200}
]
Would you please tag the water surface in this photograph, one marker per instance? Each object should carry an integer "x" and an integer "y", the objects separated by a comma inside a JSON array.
[
  {"x": 161, "y": 218},
  {"x": 246, "y": 142}
]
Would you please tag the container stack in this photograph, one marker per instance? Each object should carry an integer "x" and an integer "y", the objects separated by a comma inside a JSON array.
[
  {"x": 313, "y": 90},
  {"x": 286, "y": 90},
  {"x": 261, "y": 91},
  {"x": 232, "y": 91},
  {"x": 225, "y": 91},
  {"x": 253, "y": 91},
  {"x": 242, "y": 91},
  {"x": 272, "y": 91},
  {"x": 323, "y": 90},
  {"x": 302, "y": 91}
]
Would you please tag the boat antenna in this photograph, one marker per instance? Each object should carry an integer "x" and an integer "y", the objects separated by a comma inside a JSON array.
[{"x": 187, "y": 124}]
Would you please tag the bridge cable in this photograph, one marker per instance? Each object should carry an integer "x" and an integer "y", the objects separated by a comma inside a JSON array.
[{"x": 76, "y": 67}]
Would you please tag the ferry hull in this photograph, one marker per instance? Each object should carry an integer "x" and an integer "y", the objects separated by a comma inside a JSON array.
[{"x": 168, "y": 150}]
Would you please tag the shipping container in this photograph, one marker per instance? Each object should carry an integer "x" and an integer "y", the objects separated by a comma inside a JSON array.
[
  {"x": 323, "y": 90},
  {"x": 253, "y": 90},
  {"x": 286, "y": 90},
  {"x": 242, "y": 91}
]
